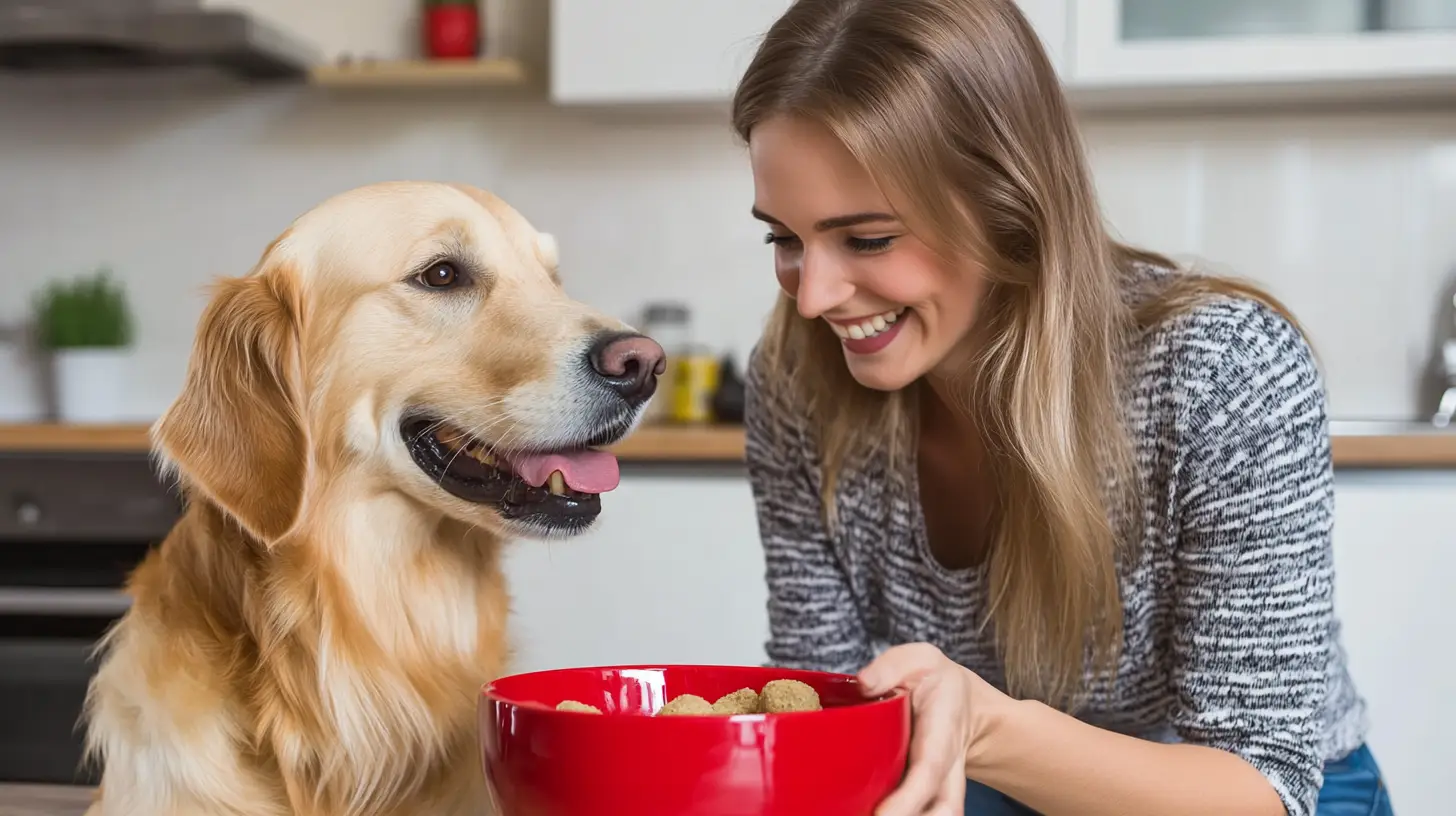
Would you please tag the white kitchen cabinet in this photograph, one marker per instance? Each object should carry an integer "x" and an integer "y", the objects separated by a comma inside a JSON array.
[
  {"x": 1395, "y": 578},
  {"x": 673, "y": 573},
  {"x": 654, "y": 51},
  {"x": 674, "y": 51},
  {"x": 1247, "y": 49}
]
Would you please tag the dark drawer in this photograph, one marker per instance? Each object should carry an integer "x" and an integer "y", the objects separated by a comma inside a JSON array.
[{"x": 83, "y": 497}]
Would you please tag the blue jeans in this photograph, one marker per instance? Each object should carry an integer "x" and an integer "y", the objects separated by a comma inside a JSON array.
[{"x": 1353, "y": 787}]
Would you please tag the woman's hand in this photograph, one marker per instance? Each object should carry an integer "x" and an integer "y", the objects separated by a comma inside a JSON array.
[{"x": 949, "y": 705}]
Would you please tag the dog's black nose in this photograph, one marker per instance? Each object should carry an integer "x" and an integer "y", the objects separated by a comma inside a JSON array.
[{"x": 629, "y": 364}]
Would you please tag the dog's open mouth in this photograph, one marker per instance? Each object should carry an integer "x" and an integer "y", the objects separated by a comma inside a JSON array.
[{"x": 558, "y": 490}]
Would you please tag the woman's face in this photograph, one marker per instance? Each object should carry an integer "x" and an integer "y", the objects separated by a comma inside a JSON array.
[{"x": 845, "y": 258}]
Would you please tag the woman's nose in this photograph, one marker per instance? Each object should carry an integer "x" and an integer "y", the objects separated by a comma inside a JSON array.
[{"x": 822, "y": 285}]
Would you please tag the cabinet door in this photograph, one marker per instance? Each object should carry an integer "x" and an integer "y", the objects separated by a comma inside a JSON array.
[
  {"x": 1395, "y": 569},
  {"x": 1051, "y": 20},
  {"x": 654, "y": 51},
  {"x": 687, "y": 51},
  {"x": 1241, "y": 44}
]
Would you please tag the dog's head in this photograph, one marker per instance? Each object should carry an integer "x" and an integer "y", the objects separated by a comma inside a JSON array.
[{"x": 417, "y": 336}]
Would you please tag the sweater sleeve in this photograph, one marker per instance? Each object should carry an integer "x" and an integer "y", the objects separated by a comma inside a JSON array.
[
  {"x": 1254, "y": 567},
  {"x": 813, "y": 620}
]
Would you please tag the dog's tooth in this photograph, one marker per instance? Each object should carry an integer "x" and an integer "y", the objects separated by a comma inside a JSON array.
[
  {"x": 489, "y": 459},
  {"x": 557, "y": 483}
]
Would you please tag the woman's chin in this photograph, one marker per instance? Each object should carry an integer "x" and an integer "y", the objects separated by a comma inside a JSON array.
[{"x": 881, "y": 372}]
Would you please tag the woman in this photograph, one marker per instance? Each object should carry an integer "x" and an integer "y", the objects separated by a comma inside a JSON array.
[{"x": 1076, "y": 501}]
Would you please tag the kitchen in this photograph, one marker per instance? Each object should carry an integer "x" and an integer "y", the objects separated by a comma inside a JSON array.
[{"x": 1322, "y": 166}]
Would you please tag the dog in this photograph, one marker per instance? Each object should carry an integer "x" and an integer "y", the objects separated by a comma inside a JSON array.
[{"x": 400, "y": 386}]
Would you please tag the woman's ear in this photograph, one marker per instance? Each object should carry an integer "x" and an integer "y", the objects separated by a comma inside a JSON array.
[{"x": 236, "y": 432}]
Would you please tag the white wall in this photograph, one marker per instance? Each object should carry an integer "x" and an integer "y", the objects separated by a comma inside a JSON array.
[{"x": 1351, "y": 218}]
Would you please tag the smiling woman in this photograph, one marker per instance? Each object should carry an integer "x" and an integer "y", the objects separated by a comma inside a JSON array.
[{"x": 1075, "y": 498}]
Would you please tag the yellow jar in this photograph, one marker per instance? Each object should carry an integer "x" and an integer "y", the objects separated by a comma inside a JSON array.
[{"x": 694, "y": 381}]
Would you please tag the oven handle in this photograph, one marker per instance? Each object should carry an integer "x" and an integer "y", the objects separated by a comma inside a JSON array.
[{"x": 56, "y": 601}]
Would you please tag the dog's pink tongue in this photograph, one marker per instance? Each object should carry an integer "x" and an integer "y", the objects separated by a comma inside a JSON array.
[{"x": 586, "y": 471}]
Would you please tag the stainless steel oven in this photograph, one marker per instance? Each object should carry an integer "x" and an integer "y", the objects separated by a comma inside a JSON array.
[{"x": 71, "y": 528}]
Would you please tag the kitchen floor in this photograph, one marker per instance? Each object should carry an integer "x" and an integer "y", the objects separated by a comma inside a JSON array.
[{"x": 43, "y": 800}]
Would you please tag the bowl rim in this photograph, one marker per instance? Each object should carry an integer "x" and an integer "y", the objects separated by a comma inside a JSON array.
[{"x": 894, "y": 697}]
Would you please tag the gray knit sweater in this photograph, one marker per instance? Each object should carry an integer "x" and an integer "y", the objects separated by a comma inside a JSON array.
[{"x": 1230, "y": 636}]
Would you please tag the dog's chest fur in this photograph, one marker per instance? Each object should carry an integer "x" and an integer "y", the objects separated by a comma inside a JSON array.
[{"x": 337, "y": 677}]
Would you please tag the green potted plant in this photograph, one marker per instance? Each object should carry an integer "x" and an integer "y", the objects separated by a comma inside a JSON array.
[{"x": 86, "y": 326}]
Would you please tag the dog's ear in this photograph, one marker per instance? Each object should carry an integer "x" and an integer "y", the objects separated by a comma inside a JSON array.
[{"x": 236, "y": 432}]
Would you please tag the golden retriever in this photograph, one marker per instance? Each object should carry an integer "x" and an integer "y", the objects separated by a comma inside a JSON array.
[{"x": 399, "y": 386}]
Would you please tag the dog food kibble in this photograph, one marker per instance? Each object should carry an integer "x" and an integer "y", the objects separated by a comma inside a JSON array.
[
  {"x": 742, "y": 701},
  {"x": 783, "y": 696},
  {"x": 686, "y": 704},
  {"x": 778, "y": 697}
]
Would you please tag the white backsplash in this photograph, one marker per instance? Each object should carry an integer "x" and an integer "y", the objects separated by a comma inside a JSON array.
[{"x": 1349, "y": 217}]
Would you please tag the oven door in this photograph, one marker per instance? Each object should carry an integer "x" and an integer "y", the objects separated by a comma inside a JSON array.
[
  {"x": 71, "y": 530},
  {"x": 47, "y": 644}
]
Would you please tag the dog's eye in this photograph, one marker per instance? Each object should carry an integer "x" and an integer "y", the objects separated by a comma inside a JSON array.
[{"x": 442, "y": 275}]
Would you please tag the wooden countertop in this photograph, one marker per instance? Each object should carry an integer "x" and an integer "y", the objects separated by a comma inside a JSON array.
[
  {"x": 44, "y": 800},
  {"x": 724, "y": 444},
  {"x": 689, "y": 445}
]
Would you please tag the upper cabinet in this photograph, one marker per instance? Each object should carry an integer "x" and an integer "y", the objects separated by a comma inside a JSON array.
[
  {"x": 654, "y": 51},
  {"x": 1260, "y": 49},
  {"x": 1118, "y": 53},
  {"x": 685, "y": 51}
]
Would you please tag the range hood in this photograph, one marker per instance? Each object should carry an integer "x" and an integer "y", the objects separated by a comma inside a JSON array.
[{"x": 53, "y": 36}]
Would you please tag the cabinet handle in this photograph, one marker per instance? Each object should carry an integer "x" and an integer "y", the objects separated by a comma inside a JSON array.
[{"x": 62, "y": 602}]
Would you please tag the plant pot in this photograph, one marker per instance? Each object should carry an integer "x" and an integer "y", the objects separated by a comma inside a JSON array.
[
  {"x": 91, "y": 384},
  {"x": 452, "y": 31}
]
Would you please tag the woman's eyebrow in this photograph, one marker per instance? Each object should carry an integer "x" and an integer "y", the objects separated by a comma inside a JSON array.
[{"x": 834, "y": 222}]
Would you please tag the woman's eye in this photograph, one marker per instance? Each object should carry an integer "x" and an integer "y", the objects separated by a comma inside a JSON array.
[
  {"x": 870, "y": 244},
  {"x": 780, "y": 240},
  {"x": 442, "y": 275}
]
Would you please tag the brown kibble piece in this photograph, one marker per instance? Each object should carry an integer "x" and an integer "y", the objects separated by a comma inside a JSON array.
[
  {"x": 572, "y": 705},
  {"x": 784, "y": 696},
  {"x": 742, "y": 701},
  {"x": 686, "y": 704}
]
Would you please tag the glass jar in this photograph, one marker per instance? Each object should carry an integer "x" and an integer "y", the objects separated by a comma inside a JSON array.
[{"x": 670, "y": 324}]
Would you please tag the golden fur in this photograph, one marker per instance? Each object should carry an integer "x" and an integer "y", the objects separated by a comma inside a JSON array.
[{"x": 311, "y": 636}]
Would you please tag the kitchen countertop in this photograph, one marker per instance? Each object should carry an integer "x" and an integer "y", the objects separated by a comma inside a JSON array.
[
  {"x": 685, "y": 444},
  {"x": 44, "y": 800},
  {"x": 1374, "y": 444}
]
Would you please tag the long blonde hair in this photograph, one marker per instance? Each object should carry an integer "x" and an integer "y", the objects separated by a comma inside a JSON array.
[{"x": 953, "y": 104}]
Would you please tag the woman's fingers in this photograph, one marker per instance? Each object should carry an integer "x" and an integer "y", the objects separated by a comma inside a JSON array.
[
  {"x": 934, "y": 753},
  {"x": 900, "y": 666},
  {"x": 952, "y": 800}
]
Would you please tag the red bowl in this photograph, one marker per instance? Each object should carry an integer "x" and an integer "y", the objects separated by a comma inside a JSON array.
[{"x": 841, "y": 761}]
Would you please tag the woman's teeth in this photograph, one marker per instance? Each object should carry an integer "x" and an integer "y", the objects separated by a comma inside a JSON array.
[{"x": 869, "y": 327}]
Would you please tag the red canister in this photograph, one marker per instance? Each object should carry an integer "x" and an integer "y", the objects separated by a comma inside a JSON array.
[{"x": 452, "y": 29}]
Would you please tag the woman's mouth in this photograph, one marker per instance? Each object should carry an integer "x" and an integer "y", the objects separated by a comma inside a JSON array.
[{"x": 872, "y": 333}]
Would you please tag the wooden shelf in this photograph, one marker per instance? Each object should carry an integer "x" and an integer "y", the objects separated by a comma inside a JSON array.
[
  {"x": 724, "y": 444},
  {"x": 420, "y": 74},
  {"x": 695, "y": 445}
]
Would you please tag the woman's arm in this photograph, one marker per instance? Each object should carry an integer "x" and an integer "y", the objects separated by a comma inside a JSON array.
[
  {"x": 1057, "y": 764},
  {"x": 1254, "y": 607},
  {"x": 814, "y": 621}
]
